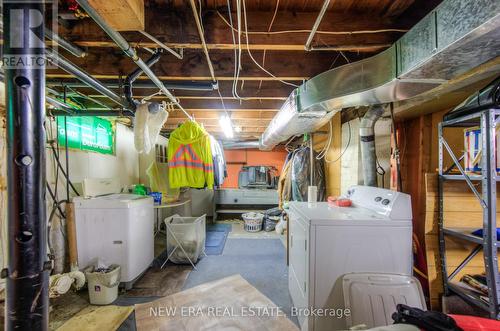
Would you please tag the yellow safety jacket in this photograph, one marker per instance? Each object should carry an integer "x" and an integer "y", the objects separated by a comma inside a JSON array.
[{"x": 190, "y": 161}]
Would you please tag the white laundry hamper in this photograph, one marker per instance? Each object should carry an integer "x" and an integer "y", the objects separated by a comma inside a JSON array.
[
  {"x": 185, "y": 238},
  {"x": 253, "y": 221}
]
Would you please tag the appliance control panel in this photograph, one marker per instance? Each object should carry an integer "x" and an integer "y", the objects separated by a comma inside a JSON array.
[{"x": 395, "y": 205}]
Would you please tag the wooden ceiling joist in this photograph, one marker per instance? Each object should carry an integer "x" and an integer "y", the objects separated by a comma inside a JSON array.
[
  {"x": 289, "y": 31},
  {"x": 104, "y": 64},
  {"x": 350, "y": 31},
  {"x": 235, "y": 114},
  {"x": 61, "y": 75},
  {"x": 216, "y": 128},
  {"x": 370, "y": 47}
]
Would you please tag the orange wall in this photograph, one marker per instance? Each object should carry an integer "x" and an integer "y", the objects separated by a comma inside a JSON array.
[{"x": 235, "y": 159}]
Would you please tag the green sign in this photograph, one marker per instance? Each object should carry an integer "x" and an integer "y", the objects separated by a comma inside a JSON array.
[{"x": 87, "y": 133}]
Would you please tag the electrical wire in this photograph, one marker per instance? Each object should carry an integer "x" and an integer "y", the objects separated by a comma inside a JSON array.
[
  {"x": 325, "y": 149},
  {"x": 236, "y": 65},
  {"x": 268, "y": 30},
  {"x": 309, "y": 31},
  {"x": 381, "y": 171},
  {"x": 88, "y": 98},
  {"x": 250, "y": 53},
  {"x": 201, "y": 30},
  {"x": 274, "y": 16},
  {"x": 345, "y": 148},
  {"x": 238, "y": 11},
  {"x": 56, "y": 156}
]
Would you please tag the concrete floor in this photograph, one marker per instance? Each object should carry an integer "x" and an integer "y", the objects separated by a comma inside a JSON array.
[
  {"x": 238, "y": 232},
  {"x": 263, "y": 265}
]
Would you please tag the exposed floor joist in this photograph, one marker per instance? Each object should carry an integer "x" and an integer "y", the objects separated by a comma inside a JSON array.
[
  {"x": 349, "y": 32},
  {"x": 371, "y": 47},
  {"x": 191, "y": 78}
]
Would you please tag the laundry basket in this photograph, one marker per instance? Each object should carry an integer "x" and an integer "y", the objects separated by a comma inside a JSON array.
[
  {"x": 103, "y": 285},
  {"x": 185, "y": 238},
  {"x": 253, "y": 221}
]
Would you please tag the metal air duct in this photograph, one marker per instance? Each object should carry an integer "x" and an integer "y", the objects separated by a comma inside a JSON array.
[
  {"x": 241, "y": 144},
  {"x": 455, "y": 37}
]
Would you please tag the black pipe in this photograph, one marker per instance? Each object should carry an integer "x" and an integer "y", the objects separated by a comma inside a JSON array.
[
  {"x": 173, "y": 85},
  {"x": 27, "y": 273},
  {"x": 93, "y": 112},
  {"x": 56, "y": 156},
  {"x": 53, "y": 196},
  {"x": 129, "y": 80}
]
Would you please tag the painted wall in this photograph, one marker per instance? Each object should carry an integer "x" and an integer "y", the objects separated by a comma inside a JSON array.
[
  {"x": 235, "y": 159},
  {"x": 124, "y": 165}
]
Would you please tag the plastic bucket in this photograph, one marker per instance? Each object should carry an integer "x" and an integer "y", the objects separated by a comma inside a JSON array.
[{"x": 103, "y": 286}]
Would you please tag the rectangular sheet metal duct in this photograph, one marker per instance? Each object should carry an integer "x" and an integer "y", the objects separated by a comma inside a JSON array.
[{"x": 455, "y": 37}]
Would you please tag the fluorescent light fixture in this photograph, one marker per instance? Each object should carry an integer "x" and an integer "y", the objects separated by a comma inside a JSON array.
[{"x": 226, "y": 126}]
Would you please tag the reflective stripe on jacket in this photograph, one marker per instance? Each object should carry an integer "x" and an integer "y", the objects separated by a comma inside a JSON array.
[{"x": 190, "y": 157}]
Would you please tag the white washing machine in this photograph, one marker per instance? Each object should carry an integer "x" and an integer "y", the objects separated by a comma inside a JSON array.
[
  {"x": 374, "y": 235},
  {"x": 116, "y": 229}
]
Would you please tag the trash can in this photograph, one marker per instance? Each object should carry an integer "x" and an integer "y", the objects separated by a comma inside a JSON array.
[
  {"x": 103, "y": 284},
  {"x": 185, "y": 238},
  {"x": 253, "y": 221}
]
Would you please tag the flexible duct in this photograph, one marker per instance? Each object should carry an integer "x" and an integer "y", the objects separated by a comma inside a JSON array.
[
  {"x": 241, "y": 144},
  {"x": 367, "y": 143}
]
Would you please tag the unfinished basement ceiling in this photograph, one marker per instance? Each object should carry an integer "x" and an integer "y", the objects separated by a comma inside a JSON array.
[{"x": 376, "y": 25}]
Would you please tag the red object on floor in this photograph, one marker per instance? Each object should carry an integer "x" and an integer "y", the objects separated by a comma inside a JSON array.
[{"x": 473, "y": 323}]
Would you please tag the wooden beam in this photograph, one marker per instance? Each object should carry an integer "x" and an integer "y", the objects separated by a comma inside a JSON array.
[
  {"x": 290, "y": 29},
  {"x": 61, "y": 75},
  {"x": 369, "y": 47},
  {"x": 247, "y": 123},
  {"x": 121, "y": 15},
  {"x": 271, "y": 112},
  {"x": 245, "y": 89},
  {"x": 396, "y": 8},
  {"x": 209, "y": 104},
  {"x": 216, "y": 128},
  {"x": 216, "y": 115},
  {"x": 104, "y": 64}
]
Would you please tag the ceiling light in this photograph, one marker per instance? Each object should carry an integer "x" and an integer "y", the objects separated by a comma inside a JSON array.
[{"x": 226, "y": 126}]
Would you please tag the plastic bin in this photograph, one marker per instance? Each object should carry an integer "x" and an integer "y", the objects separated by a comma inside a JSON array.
[
  {"x": 188, "y": 232},
  {"x": 103, "y": 286},
  {"x": 253, "y": 221}
]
